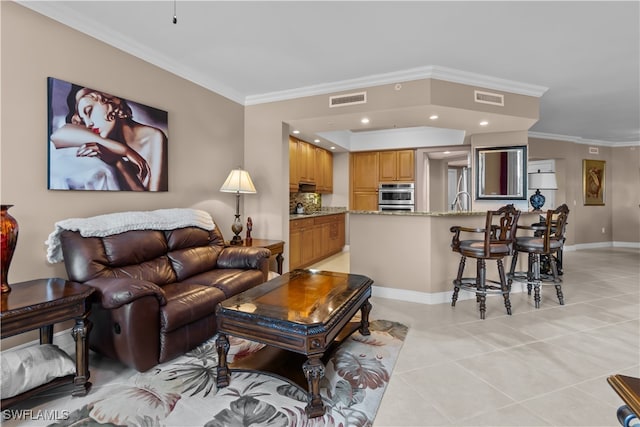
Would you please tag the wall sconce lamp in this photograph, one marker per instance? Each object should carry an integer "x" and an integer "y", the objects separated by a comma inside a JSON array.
[
  {"x": 541, "y": 181},
  {"x": 238, "y": 182}
]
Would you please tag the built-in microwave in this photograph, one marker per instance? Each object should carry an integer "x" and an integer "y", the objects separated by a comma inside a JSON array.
[{"x": 396, "y": 193}]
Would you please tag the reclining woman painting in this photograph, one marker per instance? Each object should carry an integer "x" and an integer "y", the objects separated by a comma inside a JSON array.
[{"x": 95, "y": 143}]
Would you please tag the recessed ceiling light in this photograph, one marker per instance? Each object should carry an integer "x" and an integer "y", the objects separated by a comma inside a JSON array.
[
  {"x": 296, "y": 131},
  {"x": 364, "y": 121},
  {"x": 433, "y": 116},
  {"x": 332, "y": 147},
  {"x": 447, "y": 152},
  {"x": 484, "y": 123},
  {"x": 317, "y": 141}
]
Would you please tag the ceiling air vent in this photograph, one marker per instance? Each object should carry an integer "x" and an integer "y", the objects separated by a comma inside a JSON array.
[
  {"x": 488, "y": 98},
  {"x": 348, "y": 99}
]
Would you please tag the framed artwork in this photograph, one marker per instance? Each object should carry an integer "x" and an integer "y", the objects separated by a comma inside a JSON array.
[
  {"x": 104, "y": 142},
  {"x": 593, "y": 175}
]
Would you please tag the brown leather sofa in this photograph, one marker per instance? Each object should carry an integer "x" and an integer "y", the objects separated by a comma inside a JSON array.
[{"x": 157, "y": 290}]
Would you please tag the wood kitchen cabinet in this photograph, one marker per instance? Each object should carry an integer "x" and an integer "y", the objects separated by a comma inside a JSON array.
[
  {"x": 324, "y": 171},
  {"x": 306, "y": 162},
  {"x": 364, "y": 180},
  {"x": 310, "y": 164},
  {"x": 368, "y": 169},
  {"x": 302, "y": 159},
  {"x": 301, "y": 242},
  {"x": 313, "y": 239},
  {"x": 294, "y": 177},
  {"x": 396, "y": 166}
]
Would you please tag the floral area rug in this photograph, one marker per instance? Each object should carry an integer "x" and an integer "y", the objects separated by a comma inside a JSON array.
[{"x": 183, "y": 392}]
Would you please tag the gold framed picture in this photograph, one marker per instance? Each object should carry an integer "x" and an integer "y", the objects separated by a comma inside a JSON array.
[{"x": 593, "y": 175}]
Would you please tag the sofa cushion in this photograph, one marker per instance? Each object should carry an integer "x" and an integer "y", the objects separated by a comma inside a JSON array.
[
  {"x": 191, "y": 261},
  {"x": 231, "y": 281},
  {"x": 134, "y": 247},
  {"x": 187, "y": 303},
  {"x": 137, "y": 254}
]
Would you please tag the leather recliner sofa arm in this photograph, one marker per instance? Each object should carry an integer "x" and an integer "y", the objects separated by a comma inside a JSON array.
[
  {"x": 243, "y": 258},
  {"x": 116, "y": 292}
]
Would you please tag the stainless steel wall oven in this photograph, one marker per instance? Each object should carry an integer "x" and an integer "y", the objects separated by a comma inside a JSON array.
[{"x": 396, "y": 196}]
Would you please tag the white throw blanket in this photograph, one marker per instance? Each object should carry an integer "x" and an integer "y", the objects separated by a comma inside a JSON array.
[{"x": 116, "y": 223}]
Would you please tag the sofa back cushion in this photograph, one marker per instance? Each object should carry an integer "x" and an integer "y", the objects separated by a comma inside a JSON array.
[
  {"x": 193, "y": 250},
  {"x": 160, "y": 257}
]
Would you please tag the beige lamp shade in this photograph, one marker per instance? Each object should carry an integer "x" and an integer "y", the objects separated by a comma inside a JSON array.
[
  {"x": 542, "y": 181},
  {"x": 238, "y": 181}
]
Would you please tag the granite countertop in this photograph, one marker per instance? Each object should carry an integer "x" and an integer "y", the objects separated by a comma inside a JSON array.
[
  {"x": 406, "y": 213},
  {"x": 321, "y": 212}
]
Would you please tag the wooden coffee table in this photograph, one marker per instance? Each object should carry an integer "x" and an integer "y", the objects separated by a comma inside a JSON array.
[{"x": 303, "y": 311}]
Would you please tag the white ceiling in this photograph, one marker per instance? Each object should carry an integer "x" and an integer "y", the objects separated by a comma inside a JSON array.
[{"x": 585, "y": 53}]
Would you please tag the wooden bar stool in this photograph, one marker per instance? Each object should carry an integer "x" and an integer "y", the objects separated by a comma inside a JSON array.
[
  {"x": 499, "y": 237},
  {"x": 548, "y": 241}
]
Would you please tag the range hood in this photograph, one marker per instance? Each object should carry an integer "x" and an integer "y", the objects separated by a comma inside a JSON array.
[{"x": 306, "y": 187}]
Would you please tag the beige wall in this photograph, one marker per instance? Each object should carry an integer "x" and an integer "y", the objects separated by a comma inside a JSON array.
[
  {"x": 625, "y": 194},
  {"x": 205, "y": 133},
  {"x": 620, "y": 216}
]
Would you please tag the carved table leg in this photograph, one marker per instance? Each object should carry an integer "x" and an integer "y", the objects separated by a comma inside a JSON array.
[
  {"x": 314, "y": 371},
  {"x": 279, "y": 260},
  {"x": 80, "y": 333},
  {"x": 222, "y": 344},
  {"x": 364, "y": 321}
]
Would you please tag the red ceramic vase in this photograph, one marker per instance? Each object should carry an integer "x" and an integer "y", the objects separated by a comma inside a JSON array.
[{"x": 8, "y": 240}]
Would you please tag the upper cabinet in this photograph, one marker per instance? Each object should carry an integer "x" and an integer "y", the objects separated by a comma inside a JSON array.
[
  {"x": 294, "y": 178},
  {"x": 310, "y": 165},
  {"x": 324, "y": 170},
  {"x": 370, "y": 168},
  {"x": 364, "y": 171},
  {"x": 396, "y": 166}
]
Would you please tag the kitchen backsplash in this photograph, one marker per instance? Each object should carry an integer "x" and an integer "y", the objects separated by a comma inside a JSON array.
[{"x": 311, "y": 202}]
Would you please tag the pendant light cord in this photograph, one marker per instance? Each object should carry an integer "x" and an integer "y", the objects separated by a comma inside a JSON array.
[{"x": 175, "y": 17}]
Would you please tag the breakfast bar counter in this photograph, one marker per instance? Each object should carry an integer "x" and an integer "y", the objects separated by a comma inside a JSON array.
[{"x": 408, "y": 254}]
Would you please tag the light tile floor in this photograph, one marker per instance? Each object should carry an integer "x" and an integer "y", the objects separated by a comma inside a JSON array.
[{"x": 538, "y": 367}]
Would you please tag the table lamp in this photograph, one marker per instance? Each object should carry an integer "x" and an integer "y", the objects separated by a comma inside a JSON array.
[
  {"x": 541, "y": 181},
  {"x": 238, "y": 182}
]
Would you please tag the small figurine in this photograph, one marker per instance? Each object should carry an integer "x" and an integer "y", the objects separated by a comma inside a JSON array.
[{"x": 249, "y": 227}]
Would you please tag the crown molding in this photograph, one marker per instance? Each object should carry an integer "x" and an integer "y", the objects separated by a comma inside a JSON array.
[
  {"x": 579, "y": 140},
  {"x": 419, "y": 73}
]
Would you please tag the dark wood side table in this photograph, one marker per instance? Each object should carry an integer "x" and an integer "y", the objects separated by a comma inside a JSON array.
[
  {"x": 275, "y": 246},
  {"x": 39, "y": 304}
]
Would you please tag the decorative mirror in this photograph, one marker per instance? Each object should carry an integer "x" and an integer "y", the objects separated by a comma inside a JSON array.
[{"x": 501, "y": 173}]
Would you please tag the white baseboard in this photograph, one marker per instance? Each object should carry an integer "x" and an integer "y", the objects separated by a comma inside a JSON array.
[
  {"x": 634, "y": 245},
  {"x": 599, "y": 245},
  {"x": 430, "y": 298}
]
